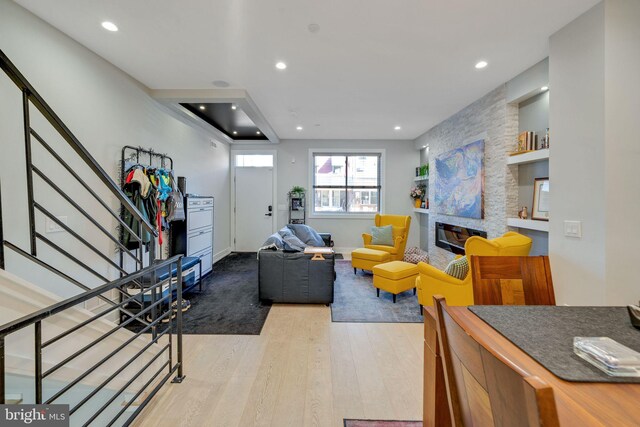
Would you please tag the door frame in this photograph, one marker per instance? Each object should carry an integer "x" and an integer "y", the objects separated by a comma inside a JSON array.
[{"x": 232, "y": 184}]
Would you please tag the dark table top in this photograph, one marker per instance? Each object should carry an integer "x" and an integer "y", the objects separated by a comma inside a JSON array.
[{"x": 546, "y": 334}]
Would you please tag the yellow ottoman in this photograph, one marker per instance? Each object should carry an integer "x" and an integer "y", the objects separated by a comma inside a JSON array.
[
  {"x": 395, "y": 277},
  {"x": 366, "y": 259}
]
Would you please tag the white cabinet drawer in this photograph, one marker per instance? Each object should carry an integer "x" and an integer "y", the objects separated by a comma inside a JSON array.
[
  {"x": 198, "y": 202},
  {"x": 199, "y": 241},
  {"x": 199, "y": 218},
  {"x": 207, "y": 261}
]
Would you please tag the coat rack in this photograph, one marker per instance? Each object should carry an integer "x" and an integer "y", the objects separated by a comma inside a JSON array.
[{"x": 137, "y": 155}]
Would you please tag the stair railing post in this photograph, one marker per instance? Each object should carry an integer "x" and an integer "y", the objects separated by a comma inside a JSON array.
[
  {"x": 180, "y": 376},
  {"x": 38, "y": 361},
  {"x": 2, "y": 384},
  {"x": 154, "y": 290},
  {"x": 1, "y": 233},
  {"x": 29, "y": 164}
]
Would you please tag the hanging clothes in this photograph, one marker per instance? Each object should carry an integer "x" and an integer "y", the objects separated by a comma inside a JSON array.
[{"x": 142, "y": 192}]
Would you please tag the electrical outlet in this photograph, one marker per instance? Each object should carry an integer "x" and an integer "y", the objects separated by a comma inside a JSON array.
[
  {"x": 53, "y": 227},
  {"x": 573, "y": 229}
]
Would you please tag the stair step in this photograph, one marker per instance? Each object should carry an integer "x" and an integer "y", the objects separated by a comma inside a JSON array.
[{"x": 13, "y": 398}]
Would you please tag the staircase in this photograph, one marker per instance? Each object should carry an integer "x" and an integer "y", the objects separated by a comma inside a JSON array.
[{"x": 66, "y": 309}]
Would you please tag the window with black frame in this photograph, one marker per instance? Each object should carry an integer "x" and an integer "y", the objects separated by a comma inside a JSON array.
[{"x": 346, "y": 183}]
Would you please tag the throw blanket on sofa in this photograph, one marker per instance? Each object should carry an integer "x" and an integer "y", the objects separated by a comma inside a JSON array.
[{"x": 293, "y": 238}]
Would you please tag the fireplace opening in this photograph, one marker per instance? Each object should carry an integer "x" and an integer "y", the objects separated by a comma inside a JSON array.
[{"x": 453, "y": 237}]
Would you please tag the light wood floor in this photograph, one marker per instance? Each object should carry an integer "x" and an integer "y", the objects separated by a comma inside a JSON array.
[{"x": 303, "y": 370}]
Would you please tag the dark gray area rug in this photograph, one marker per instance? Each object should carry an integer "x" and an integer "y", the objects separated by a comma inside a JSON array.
[
  {"x": 355, "y": 300},
  {"x": 228, "y": 303}
]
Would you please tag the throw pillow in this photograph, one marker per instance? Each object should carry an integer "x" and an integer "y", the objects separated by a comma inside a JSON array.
[
  {"x": 307, "y": 234},
  {"x": 415, "y": 255},
  {"x": 382, "y": 235},
  {"x": 293, "y": 244},
  {"x": 284, "y": 232},
  {"x": 458, "y": 268}
]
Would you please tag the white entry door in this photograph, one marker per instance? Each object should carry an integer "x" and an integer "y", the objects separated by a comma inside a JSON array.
[{"x": 254, "y": 207}]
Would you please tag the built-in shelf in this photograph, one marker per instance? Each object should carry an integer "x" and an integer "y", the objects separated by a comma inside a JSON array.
[
  {"x": 529, "y": 224},
  {"x": 420, "y": 210},
  {"x": 421, "y": 178},
  {"x": 530, "y": 157}
]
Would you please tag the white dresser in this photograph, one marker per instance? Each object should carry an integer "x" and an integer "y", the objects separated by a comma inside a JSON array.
[{"x": 194, "y": 237}]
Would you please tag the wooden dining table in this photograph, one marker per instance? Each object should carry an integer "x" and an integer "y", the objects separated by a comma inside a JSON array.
[{"x": 578, "y": 403}]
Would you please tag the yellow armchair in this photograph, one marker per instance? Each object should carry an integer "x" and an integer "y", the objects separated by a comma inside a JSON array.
[
  {"x": 400, "y": 224},
  {"x": 432, "y": 281}
]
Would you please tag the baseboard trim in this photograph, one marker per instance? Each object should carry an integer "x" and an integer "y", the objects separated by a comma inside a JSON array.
[{"x": 223, "y": 253}]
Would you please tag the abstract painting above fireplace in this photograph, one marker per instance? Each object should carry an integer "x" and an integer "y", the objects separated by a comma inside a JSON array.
[{"x": 459, "y": 183}]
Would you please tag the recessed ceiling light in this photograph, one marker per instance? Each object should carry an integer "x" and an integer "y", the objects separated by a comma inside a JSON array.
[
  {"x": 299, "y": 128},
  {"x": 202, "y": 107},
  {"x": 109, "y": 26},
  {"x": 235, "y": 132},
  {"x": 233, "y": 107},
  {"x": 281, "y": 65},
  {"x": 397, "y": 128},
  {"x": 480, "y": 65},
  {"x": 313, "y": 28},
  {"x": 220, "y": 83},
  {"x": 544, "y": 88},
  {"x": 258, "y": 132}
]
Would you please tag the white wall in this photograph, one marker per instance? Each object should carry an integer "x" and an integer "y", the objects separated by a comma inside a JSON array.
[
  {"x": 105, "y": 109},
  {"x": 576, "y": 119},
  {"x": 594, "y": 120},
  {"x": 401, "y": 159},
  {"x": 622, "y": 127}
]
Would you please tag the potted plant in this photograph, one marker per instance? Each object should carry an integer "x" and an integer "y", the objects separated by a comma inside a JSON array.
[
  {"x": 297, "y": 191},
  {"x": 417, "y": 193}
]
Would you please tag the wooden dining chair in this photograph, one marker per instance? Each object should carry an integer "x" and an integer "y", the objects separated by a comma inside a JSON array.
[
  {"x": 512, "y": 280},
  {"x": 485, "y": 389}
]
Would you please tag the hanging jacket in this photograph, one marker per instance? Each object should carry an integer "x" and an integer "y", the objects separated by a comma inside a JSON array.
[{"x": 146, "y": 205}]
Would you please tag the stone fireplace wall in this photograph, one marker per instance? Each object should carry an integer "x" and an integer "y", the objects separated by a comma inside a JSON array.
[{"x": 490, "y": 118}]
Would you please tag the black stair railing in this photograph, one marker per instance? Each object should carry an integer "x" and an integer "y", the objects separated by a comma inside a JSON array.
[
  {"x": 131, "y": 310},
  {"x": 158, "y": 342},
  {"x": 31, "y": 97}
]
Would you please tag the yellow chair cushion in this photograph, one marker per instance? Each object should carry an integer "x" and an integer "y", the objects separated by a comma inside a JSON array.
[
  {"x": 383, "y": 248},
  {"x": 395, "y": 270},
  {"x": 370, "y": 254}
]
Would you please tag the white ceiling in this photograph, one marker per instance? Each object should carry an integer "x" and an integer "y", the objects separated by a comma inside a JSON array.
[{"x": 373, "y": 65}]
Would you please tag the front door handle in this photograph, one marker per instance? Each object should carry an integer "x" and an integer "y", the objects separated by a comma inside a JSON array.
[{"x": 268, "y": 214}]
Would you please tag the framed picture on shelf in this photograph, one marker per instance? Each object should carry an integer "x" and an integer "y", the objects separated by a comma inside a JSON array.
[
  {"x": 540, "y": 209},
  {"x": 296, "y": 204}
]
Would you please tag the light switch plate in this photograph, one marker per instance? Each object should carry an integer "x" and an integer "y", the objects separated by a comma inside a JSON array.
[
  {"x": 53, "y": 227},
  {"x": 573, "y": 229}
]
